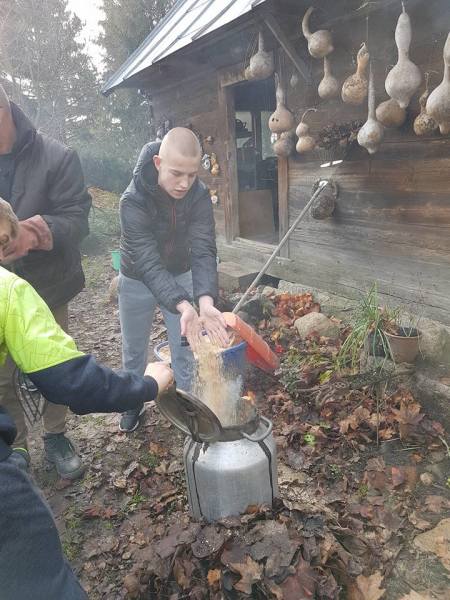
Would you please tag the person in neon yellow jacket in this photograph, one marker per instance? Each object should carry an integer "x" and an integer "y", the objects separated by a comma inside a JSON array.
[{"x": 32, "y": 563}]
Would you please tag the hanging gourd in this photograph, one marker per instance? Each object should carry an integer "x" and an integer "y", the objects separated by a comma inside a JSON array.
[
  {"x": 423, "y": 123},
  {"x": 354, "y": 88},
  {"x": 294, "y": 80},
  {"x": 285, "y": 144},
  {"x": 404, "y": 78},
  {"x": 371, "y": 133},
  {"x": 282, "y": 119},
  {"x": 390, "y": 114},
  {"x": 438, "y": 103},
  {"x": 261, "y": 64},
  {"x": 305, "y": 143},
  {"x": 329, "y": 86},
  {"x": 320, "y": 43}
]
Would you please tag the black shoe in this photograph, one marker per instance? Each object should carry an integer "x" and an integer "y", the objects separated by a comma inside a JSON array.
[
  {"x": 21, "y": 458},
  {"x": 131, "y": 420},
  {"x": 60, "y": 451}
]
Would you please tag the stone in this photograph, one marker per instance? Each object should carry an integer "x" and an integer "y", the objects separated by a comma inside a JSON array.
[
  {"x": 434, "y": 343},
  {"x": 233, "y": 276},
  {"x": 316, "y": 323}
]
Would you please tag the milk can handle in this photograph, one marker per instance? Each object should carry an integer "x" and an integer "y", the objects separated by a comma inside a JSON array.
[{"x": 263, "y": 435}]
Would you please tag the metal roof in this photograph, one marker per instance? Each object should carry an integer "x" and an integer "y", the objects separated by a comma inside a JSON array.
[{"x": 186, "y": 22}]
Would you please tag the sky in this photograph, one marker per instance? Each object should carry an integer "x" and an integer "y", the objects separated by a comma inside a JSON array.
[{"x": 90, "y": 13}]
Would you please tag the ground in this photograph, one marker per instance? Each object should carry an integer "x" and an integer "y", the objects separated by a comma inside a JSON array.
[{"x": 349, "y": 509}]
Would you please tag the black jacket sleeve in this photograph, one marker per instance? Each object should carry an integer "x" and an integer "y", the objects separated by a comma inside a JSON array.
[
  {"x": 86, "y": 386},
  {"x": 139, "y": 244},
  {"x": 70, "y": 202},
  {"x": 202, "y": 240}
]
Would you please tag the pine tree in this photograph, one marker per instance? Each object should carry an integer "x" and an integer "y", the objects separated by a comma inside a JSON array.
[{"x": 45, "y": 68}]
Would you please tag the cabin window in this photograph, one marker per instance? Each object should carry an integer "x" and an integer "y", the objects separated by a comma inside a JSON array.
[{"x": 256, "y": 162}]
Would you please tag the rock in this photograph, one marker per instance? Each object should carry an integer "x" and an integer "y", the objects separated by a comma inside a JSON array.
[
  {"x": 233, "y": 276},
  {"x": 434, "y": 343},
  {"x": 426, "y": 478},
  {"x": 316, "y": 323}
]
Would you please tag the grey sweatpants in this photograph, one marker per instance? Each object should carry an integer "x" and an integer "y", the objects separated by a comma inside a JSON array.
[
  {"x": 32, "y": 563},
  {"x": 136, "y": 308}
]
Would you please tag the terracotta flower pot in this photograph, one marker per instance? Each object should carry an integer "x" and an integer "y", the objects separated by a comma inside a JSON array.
[{"x": 404, "y": 348}]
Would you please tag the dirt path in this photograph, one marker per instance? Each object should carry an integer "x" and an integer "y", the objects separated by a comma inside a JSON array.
[{"x": 344, "y": 529}]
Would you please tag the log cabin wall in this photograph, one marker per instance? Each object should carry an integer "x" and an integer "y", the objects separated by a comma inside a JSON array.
[{"x": 392, "y": 221}]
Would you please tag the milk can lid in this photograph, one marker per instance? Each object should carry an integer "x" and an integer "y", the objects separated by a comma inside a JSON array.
[{"x": 190, "y": 415}]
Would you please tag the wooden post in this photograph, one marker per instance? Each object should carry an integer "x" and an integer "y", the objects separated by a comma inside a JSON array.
[
  {"x": 231, "y": 202},
  {"x": 283, "y": 202}
]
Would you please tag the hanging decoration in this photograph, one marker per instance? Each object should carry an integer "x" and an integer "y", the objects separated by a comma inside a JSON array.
[
  {"x": 423, "y": 123},
  {"x": 391, "y": 114},
  {"x": 320, "y": 43},
  {"x": 285, "y": 144},
  {"x": 404, "y": 78},
  {"x": 215, "y": 169},
  {"x": 261, "y": 64},
  {"x": 354, "y": 88},
  {"x": 282, "y": 119},
  {"x": 371, "y": 133},
  {"x": 438, "y": 103},
  {"x": 306, "y": 142},
  {"x": 329, "y": 86}
]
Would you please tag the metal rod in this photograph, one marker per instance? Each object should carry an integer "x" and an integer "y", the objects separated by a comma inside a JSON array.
[{"x": 322, "y": 186}]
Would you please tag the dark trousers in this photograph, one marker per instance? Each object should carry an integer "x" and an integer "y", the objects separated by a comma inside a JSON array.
[{"x": 32, "y": 563}]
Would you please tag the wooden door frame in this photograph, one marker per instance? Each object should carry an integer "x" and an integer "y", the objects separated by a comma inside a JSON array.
[{"x": 226, "y": 79}]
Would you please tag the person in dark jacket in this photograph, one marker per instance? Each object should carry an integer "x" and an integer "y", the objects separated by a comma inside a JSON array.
[
  {"x": 32, "y": 563},
  {"x": 168, "y": 257},
  {"x": 43, "y": 182}
]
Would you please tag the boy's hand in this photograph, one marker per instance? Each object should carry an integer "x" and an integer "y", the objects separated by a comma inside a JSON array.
[
  {"x": 213, "y": 322},
  {"x": 161, "y": 373},
  {"x": 190, "y": 324}
]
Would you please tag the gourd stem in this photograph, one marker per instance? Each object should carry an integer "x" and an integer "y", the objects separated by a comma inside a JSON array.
[
  {"x": 305, "y": 23},
  {"x": 306, "y": 112}
]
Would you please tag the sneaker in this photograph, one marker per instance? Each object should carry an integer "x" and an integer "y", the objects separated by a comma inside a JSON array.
[
  {"x": 60, "y": 451},
  {"x": 21, "y": 458},
  {"x": 131, "y": 420}
]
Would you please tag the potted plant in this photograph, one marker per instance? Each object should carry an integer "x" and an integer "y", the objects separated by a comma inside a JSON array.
[{"x": 379, "y": 331}]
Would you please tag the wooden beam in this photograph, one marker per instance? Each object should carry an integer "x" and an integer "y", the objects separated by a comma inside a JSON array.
[{"x": 288, "y": 47}]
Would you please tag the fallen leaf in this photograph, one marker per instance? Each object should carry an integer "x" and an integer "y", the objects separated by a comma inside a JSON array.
[
  {"x": 436, "y": 504},
  {"x": 418, "y": 522},
  {"x": 302, "y": 584},
  {"x": 415, "y": 596},
  {"x": 366, "y": 588},
  {"x": 408, "y": 417},
  {"x": 437, "y": 541},
  {"x": 214, "y": 577},
  {"x": 180, "y": 574},
  {"x": 250, "y": 572}
]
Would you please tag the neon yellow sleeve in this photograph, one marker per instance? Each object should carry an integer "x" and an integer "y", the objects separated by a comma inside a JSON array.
[{"x": 33, "y": 338}]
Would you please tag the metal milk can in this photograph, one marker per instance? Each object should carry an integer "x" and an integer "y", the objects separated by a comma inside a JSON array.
[{"x": 227, "y": 468}]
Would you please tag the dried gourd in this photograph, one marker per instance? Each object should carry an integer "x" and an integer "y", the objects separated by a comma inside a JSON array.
[
  {"x": 320, "y": 43},
  {"x": 371, "y": 133},
  {"x": 282, "y": 119},
  {"x": 423, "y": 123},
  {"x": 261, "y": 64},
  {"x": 390, "y": 114},
  {"x": 354, "y": 88},
  {"x": 438, "y": 103},
  {"x": 329, "y": 86},
  {"x": 305, "y": 143},
  {"x": 404, "y": 78},
  {"x": 284, "y": 146}
]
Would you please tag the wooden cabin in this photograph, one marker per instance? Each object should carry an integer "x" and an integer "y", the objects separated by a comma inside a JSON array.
[{"x": 392, "y": 219}]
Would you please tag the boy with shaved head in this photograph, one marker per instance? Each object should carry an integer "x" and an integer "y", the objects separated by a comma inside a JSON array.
[
  {"x": 43, "y": 182},
  {"x": 168, "y": 257}
]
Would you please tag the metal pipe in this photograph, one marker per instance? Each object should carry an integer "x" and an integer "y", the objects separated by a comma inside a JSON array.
[{"x": 322, "y": 186}]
